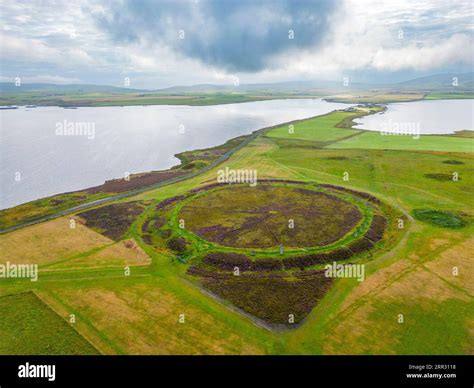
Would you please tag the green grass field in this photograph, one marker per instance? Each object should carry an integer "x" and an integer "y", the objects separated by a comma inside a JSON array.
[
  {"x": 322, "y": 128},
  {"x": 156, "y": 309},
  {"x": 28, "y": 326},
  {"x": 448, "y": 96},
  {"x": 375, "y": 140}
]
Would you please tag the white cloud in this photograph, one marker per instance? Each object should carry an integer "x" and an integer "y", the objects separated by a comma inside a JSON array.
[
  {"x": 45, "y": 79},
  {"x": 365, "y": 35},
  {"x": 59, "y": 42},
  {"x": 457, "y": 48},
  {"x": 17, "y": 48}
]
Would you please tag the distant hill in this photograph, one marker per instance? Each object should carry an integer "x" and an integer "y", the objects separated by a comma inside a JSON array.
[
  {"x": 436, "y": 82},
  {"x": 285, "y": 87},
  {"x": 9, "y": 87},
  {"x": 440, "y": 82}
]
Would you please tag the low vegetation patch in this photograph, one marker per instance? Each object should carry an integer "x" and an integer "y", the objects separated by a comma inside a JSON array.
[
  {"x": 275, "y": 298},
  {"x": 309, "y": 260},
  {"x": 442, "y": 177},
  {"x": 377, "y": 228},
  {"x": 113, "y": 220},
  {"x": 227, "y": 261},
  {"x": 337, "y": 158},
  {"x": 360, "y": 245},
  {"x": 177, "y": 244},
  {"x": 359, "y": 194},
  {"x": 440, "y": 218},
  {"x": 135, "y": 182}
]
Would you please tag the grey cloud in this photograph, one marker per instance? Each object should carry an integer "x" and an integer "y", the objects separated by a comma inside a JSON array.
[{"x": 239, "y": 36}]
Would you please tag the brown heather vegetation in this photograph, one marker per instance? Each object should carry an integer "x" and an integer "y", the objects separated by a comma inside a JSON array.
[
  {"x": 169, "y": 201},
  {"x": 177, "y": 244},
  {"x": 135, "y": 182},
  {"x": 360, "y": 194},
  {"x": 229, "y": 261},
  {"x": 258, "y": 217},
  {"x": 113, "y": 220},
  {"x": 311, "y": 259},
  {"x": 377, "y": 228},
  {"x": 272, "y": 297}
]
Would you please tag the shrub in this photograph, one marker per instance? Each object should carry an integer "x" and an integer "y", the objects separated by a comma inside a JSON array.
[
  {"x": 440, "y": 218},
  {"x": 441, "y": 177},
  {"x": 164, "y": 234},
  {"x": 177, "y": 244},
  {"x": 147, "y": 239}
]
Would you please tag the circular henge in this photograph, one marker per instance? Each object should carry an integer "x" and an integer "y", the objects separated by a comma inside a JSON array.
[
  {"x": 269, "y": 216},
  {"x": 265, "y": 249}
]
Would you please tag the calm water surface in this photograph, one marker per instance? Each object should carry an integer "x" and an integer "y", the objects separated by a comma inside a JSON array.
[
  {"x": 430, "y": 116},
  {"x": 131, "y": 139}
]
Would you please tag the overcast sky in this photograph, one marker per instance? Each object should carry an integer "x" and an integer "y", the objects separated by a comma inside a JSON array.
[{"x": 164, "y": 43}]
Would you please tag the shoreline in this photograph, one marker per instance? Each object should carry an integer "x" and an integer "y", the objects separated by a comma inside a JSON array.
[
  {"x": 211, "y": 99},
  {"x": 81, "y": 100},
  {"x": 247, "y": 139}
]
